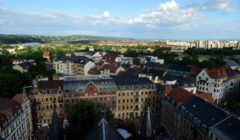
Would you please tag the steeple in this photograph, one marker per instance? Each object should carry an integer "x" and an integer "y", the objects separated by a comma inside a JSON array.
[
  {"x": 55, "y": 127},
  {"x": 146, "y": 132}
]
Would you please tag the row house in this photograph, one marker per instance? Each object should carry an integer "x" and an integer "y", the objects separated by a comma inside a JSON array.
[
  {"x": 73, "y": 66},
  {"x": 47, "y": 96},
  {"x": 15, "y": 118},
  {"x": 216, "y": 81},
  {"x": 133, "y": 94},
  {"x": 187, "y": 117}
]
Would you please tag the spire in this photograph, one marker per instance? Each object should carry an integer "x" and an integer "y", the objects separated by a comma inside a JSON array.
[
  {"x": 54, "y": 133},
  {"x": 103, "y": 131},
  {"x": 146, "y": 132}
]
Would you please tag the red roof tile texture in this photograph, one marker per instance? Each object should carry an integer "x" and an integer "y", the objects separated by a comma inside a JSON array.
[
  {"x": 181, "y": 95},
  {"x": 217, "y": 73},
  {"x": 206, "y": 96}
]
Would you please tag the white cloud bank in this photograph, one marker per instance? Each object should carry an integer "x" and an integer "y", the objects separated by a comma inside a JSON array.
[{"x": 168, "y": 20}]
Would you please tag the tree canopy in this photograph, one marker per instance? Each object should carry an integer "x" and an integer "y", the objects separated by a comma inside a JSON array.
[{"x": 83, "y": 117}]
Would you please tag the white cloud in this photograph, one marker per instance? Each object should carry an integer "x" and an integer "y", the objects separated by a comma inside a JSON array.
[
  {"x": 106, "y": 14},
  {"x": 167, "y": 13}
]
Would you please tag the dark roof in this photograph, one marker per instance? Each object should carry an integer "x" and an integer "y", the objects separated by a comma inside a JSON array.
[
  {"x": 50, "y": 85},
  {"x": 154, "y": 73},
  {"x": 25, "y": 65},
  {"x": 183, "y": 68},
  {"x": 230, "y": 127},
  {"x": 207, "y": 113},
  {"x": 180, "y": 81},
  {"x": 6, "y": 103},
  {"x": 75, "y": 59},
  {"x": 128, "y": 80},
  {"x": 103, "y": 132},
  {"x": 146, "y": 132},
  {"x": 231, "y": 63},
  {"x": 55, "y": 128},
  {"x": 153, "y": 65}
]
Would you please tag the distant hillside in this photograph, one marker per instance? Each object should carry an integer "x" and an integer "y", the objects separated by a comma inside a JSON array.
[{"x": 14, "y": 39}]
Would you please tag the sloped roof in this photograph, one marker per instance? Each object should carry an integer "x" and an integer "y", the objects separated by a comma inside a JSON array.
[
  {"x": 231, "y": 63},
  {"x": 206, "y": 96},
  {"x": 230, "y": 127},
  {"x": 6, "y": 103},
  {"x": 183, "y": 68},
  {"x": 181, "y": 95},
  {"x": 112, "y": 68},
  {"x": 146, "y": 131},
  {"x": 103, "y": 132},
  {"x": 53, "y": 85},
  {"x": 19, "y": 97},
  {"x": 217, "y": 73},
  {"x": 207, "y": 113}
]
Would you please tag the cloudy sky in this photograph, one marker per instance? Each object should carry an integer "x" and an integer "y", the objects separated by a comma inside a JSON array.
[{"x": 140, "y": 19}]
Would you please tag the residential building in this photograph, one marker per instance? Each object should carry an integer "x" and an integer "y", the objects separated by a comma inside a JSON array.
[
  {"x": 15, "y": 118},
  {"x": 73, "y": 66},
  {"x": 111, "y": 69},
  {"x": 101, "y": 89},
  {"x": 188, "y": 117},
  {"x": 47, "y": 96},
  {"x": 112, "y": 57},
  {"x": 216, "y": 81},
  {"x": 133, "y": 94}
]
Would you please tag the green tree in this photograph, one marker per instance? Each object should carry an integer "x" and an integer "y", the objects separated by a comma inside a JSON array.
[{"x": 83, "y": 117}]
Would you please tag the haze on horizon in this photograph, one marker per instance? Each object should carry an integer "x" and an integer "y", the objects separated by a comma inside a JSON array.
[{"x": 139, "y": 19}]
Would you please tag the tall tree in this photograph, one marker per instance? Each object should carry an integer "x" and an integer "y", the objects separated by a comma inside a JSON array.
[{"x": 83, "y": 117}]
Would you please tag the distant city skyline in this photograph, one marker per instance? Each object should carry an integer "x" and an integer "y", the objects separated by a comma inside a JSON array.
[{"x": 138, "y": 19}]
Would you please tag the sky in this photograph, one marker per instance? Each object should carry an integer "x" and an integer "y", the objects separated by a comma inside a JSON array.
[{"x": 139, "y": 19}]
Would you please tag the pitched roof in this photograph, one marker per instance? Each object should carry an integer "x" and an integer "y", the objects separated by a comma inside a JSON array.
[
  {"x": 128, "y": 80},
  {"x": 206, "y": 96},
  {"x": 230, "y": 128},
  {"x": 207, "y": 113},
  {"x": 146, "y": 132},
  {"x": 231, "y": 63},
  {"x": 181, "y": 95},
  {"x": 19, "y": 97},
  {"x": 217, "y": 73},
  {"x": 53, "y": 85},
  {"x": 6, "y": 103},
  {"x": 112, "y": 68},
  {"x": 180, "y": 68},
  {"x": 55, "y": 128},
  {"x": 103, "y": 132}
]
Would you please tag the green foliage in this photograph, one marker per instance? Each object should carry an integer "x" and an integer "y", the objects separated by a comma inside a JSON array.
[
  {"x": 82, "y": 119},
  {"x": 131, "y": 53}
]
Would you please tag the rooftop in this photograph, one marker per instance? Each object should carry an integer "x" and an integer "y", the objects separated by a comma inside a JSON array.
[
  {"x": 207, "y": 113},
  {"x": 181, "y": 95}
]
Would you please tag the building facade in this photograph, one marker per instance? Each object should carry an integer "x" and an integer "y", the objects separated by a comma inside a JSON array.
[
  {"x": 46, "y": 96},
  {"x": 215, "y": 81},
  {"x": 16, "y": 119}
]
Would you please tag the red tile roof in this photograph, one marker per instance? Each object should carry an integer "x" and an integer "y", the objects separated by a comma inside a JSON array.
[
  {"x": 19, "y": 97},
  {"x": 167, "y": 89},
  {"x": 181, "y": 95},
  {"x": 7, "y": 105},
  {"x": 110, "y": 57},
  {"x": 217, "y": 73},
  {"x": 206, "y": 96}
]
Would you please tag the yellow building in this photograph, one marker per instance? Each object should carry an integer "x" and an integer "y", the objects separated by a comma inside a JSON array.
[{"x": 46, "y": 96}]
